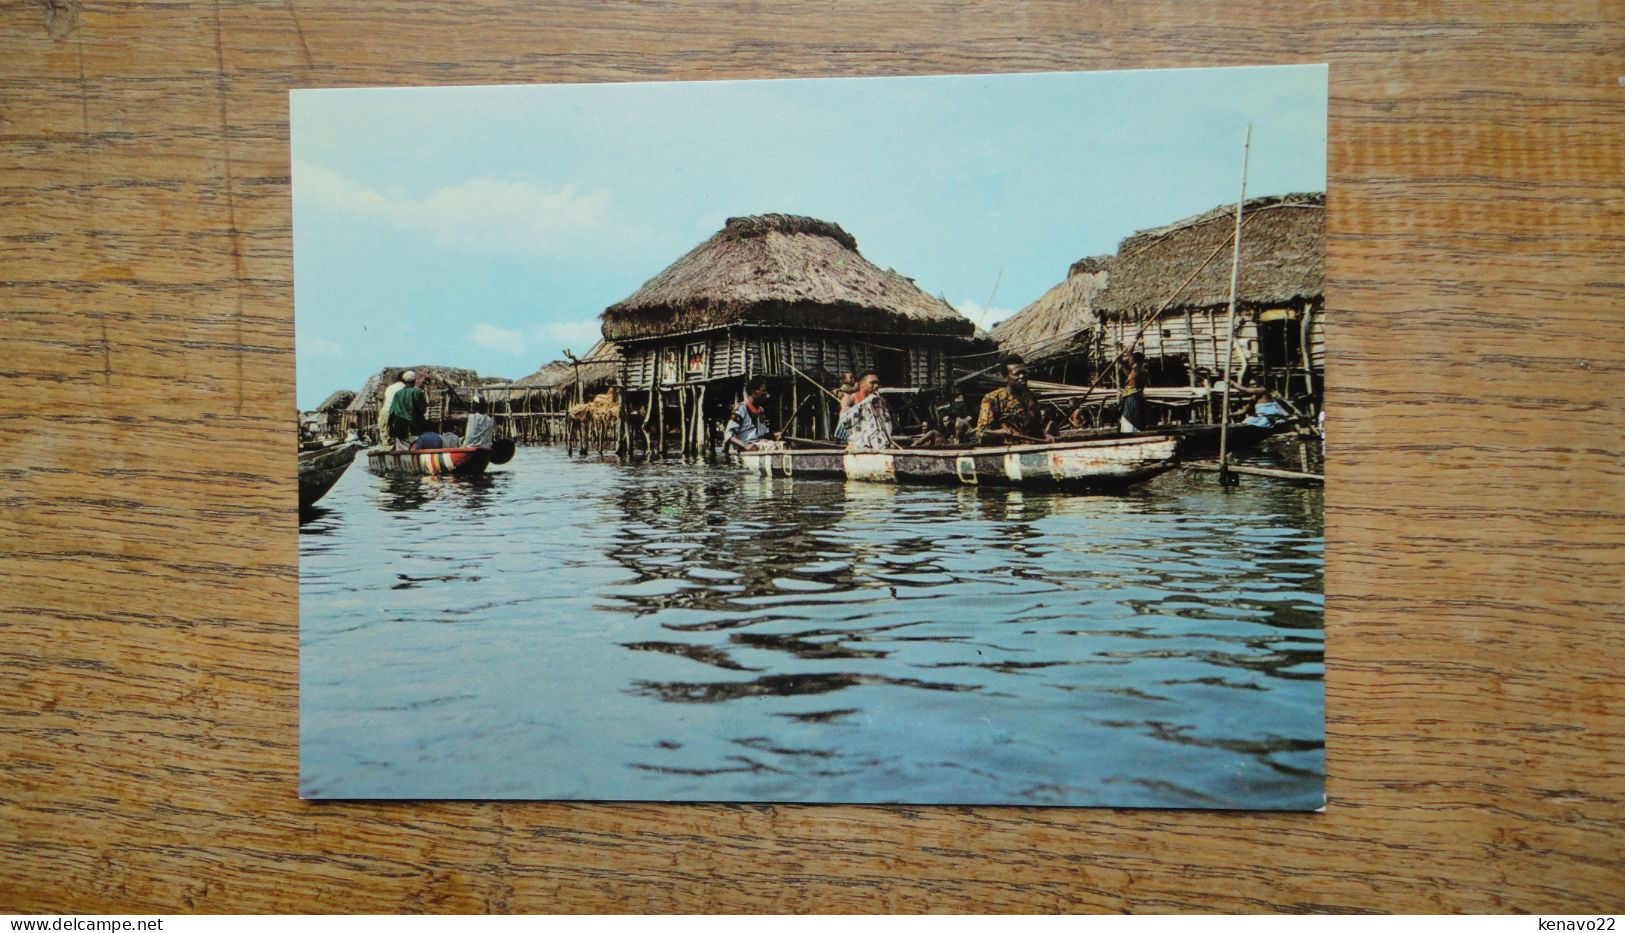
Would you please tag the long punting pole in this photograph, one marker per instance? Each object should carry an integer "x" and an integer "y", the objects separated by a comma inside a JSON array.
[{"x": 1225, "y": 477}]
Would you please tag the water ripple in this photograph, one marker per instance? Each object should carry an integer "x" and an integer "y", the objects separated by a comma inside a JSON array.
[{"x": 579, "y": 629}]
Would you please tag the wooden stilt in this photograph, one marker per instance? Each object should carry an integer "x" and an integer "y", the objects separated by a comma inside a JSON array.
[
  {"x": 700, "y": 447},
  {"x": 682, "y": 420},
  {"x": 648, "y": 419}
]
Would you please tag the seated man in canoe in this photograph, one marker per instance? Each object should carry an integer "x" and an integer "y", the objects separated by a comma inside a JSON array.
[
  {"x": 748, "y": 428},
  {"x": 1010, "y": 415},
  {"x": 1267, "y": 412},
  {"x": 866, "y": 423}
]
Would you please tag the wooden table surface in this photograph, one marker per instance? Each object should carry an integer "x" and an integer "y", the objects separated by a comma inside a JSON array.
[{"x": 1476, "y": 317}]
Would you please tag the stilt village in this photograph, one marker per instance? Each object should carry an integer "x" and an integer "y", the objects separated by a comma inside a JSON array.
[{"x": 782, "y": 315}]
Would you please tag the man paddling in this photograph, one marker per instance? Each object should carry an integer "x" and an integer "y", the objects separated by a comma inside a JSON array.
[{"x": 1010, "y": 415}]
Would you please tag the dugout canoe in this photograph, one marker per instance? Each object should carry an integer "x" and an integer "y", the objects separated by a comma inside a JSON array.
[
  {"x": 1096, "y": 464},
  {"x": 1195, "y": 440},
  {"x": 320, "y": 469},
  {"x": 479, "y": 450},
  {"x": 444, "y": 461}
]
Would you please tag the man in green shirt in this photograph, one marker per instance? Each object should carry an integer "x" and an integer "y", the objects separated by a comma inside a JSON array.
[{"x": 408, "y": 412}]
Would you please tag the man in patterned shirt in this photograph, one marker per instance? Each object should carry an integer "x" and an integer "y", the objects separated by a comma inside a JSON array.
[{"x": 1010, "y": 415}]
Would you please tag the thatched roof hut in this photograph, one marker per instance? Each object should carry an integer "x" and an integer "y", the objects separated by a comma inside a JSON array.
[
  {"x": 338, "y": 401},
  {"x": 600, "y": 366},
  {"x": 545, "y": 378},
  {"x": 780, "y": 270},
  {"x": 1283, "y": 259},
  {"x": 1060, "y": 320},
  {"x": 465, "y": 382}
]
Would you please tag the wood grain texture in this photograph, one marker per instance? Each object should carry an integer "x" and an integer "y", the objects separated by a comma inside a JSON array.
[{"x": 148, "y": 665}]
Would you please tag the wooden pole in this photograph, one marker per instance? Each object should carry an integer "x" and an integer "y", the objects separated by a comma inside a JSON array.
[
  {"x": 622, "y": 443},
  {"x": 688, "y": 422},
  {"x": 1225, "y": 477},
  {"x": 699, "y": 423},
  {"x": 1306, "y": 331},
  {"x": 648, "y": 418},
  {"x": 660, "y": 425},
  {"x": 1190, "y": 336},
  {"x": 795, "y": 406}
]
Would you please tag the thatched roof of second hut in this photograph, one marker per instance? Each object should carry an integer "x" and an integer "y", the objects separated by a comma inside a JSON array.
[
  {"x": 338, "y": 401},
  {"x": 783, "y": 270},
  {"x": 1047, "y": 327},
  {"x": 600, "y": 366},
  {"x": 1283, "y": 258},
  {"x": 465, "y": 381}
]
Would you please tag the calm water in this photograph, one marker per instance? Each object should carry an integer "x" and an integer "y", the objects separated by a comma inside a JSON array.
[{"x": 582, "y": 629}]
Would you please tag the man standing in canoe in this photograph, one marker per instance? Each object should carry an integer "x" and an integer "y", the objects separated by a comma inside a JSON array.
[
  {"x": 866, "y": 423},
  {"x": 1010, "y": 415},
  {"x": 748, "y": 428},
  {"x": 1134, "y": 415},
  {"x": 389, "y": 399},
  {"x": 408, "y": 411}
]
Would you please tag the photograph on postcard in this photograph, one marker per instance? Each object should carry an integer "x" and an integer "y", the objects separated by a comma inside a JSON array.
[{"x": 927, "y": 440}]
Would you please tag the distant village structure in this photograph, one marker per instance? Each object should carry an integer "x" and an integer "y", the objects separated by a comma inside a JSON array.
[
  {"x": 453, "y": 393},
  {"x": 1167, "y": 291},
  {"x": 784, "y": 297},
  {"x": 536, "y": 408},
  {"x": 791, "y": 299}
]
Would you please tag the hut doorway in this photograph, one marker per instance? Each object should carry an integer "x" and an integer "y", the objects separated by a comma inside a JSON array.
[
  {"x": 892, "y": 367},
  {"x": 1280, "y": 345}
]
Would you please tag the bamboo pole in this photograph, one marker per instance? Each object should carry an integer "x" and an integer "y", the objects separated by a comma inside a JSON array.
[{"x": 1225, "y": 477}]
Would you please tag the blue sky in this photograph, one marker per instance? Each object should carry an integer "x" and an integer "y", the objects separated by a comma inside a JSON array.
[{"x": 487, "y": 227}]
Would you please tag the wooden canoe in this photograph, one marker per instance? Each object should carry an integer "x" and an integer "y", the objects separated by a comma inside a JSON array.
[
  {"x": 446, "y": 461},
  {"x": 1104, "y": 463},
  {"x": 1195, "y": 440},
  {"x": 321, "y": 467}
]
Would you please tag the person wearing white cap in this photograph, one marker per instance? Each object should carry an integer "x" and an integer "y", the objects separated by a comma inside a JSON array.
[{"x": 389, "y": 398}]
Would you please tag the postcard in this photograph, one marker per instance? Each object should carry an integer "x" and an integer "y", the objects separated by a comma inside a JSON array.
[{"x": 925, "y": 440}]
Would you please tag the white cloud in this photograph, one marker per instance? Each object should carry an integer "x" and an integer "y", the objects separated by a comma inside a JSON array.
[
  {"x": 497, "y": 339},
  {"x": 480, "y": 214},
  {"x": 317, "y": 346},
  {"x": 982, "y": 317},
  {"x": 577, "y": 336}
]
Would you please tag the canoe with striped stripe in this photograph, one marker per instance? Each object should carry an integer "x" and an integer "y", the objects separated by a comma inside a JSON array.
[{"x": 447, "y": 461}]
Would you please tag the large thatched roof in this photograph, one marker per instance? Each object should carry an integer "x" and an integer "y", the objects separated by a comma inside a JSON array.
[
  {"x": 783, "y": 270},
  {"x": 1283, "y": 258},
  {"x": 465, "y": 381},
  {"x": 1048, "y": 327}
]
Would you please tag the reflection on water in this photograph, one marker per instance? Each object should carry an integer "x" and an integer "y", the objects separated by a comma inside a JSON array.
[{"x": 583, "y": 629}]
